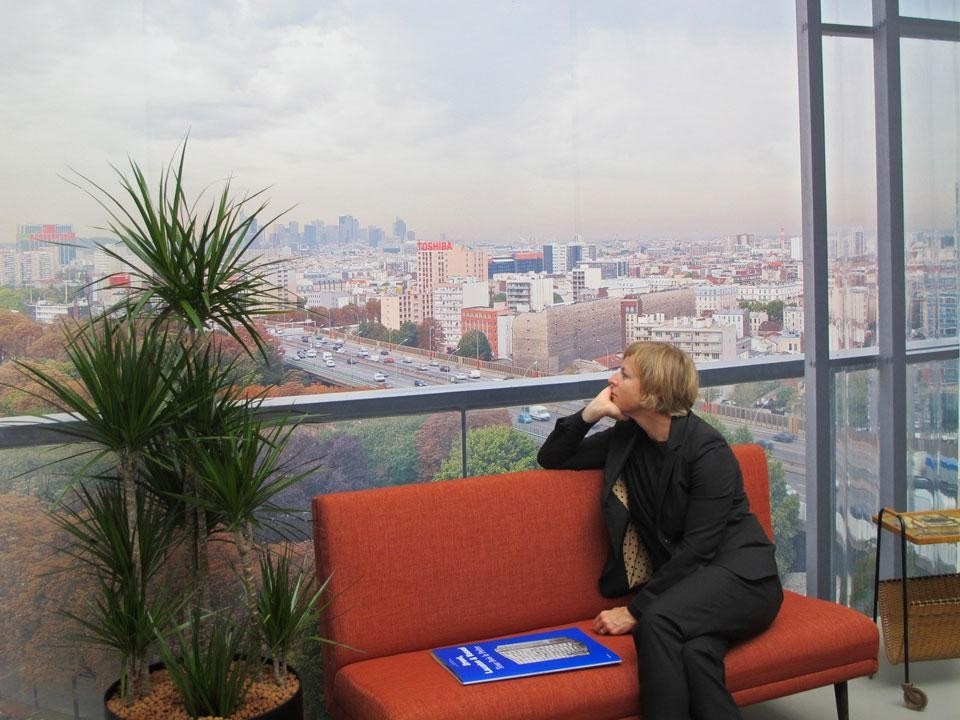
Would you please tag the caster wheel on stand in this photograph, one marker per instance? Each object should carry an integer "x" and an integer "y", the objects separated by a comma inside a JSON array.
[{"x": 914, "y": 697}]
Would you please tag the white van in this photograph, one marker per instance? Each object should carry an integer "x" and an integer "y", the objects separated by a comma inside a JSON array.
[
  {"x": 327, "y": 355},
  {"x": 539, "y": 412}
]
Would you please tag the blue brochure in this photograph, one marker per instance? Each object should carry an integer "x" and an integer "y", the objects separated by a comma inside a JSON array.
[{"x": 534, "y": 654}]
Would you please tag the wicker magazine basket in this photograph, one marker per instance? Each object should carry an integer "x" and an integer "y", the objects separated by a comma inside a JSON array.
[{"x": 933, "y": 614}]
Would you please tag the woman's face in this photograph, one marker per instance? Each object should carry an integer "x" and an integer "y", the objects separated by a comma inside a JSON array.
[{"x": 625, "y": 390}]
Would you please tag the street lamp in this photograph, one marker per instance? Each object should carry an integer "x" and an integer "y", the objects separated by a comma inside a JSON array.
[{"x": 606, "y": 350}]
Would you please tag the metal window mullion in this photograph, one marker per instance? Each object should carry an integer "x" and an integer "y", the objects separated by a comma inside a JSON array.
[
  {"x": 820, "y": 432},
  {"x": 463, "y": 443},
  {"x": 929, "y": 29},
  {"x": 891, "y": 313}
]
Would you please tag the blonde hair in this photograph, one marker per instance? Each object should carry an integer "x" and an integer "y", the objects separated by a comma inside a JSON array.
[{"x": 667, "y": 376}]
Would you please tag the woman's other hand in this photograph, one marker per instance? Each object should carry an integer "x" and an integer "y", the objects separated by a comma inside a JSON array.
[{"x": 617, "y": 621}]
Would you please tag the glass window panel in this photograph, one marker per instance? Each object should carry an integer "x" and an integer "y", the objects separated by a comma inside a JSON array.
[
  {"x": 846, "y": 12},
  {"x": 771, "y": 413},
  {"x": 934, "y": 9},
  {"x": 857, "y": 485},
  {"x": 851, "y": 192},
  {"x": 932, "y": 445},
  {"x": 931, "y": 185}
]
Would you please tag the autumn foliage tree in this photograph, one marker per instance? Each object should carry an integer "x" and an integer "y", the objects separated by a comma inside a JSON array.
[{"x": 439, "y": 432}]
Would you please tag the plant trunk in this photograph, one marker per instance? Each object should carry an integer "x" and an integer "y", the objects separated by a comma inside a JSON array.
[
  {"x": 244, "y": 540},
  {"x": 129, "y": 467},
  {"x": 243, "y": 537},
  {"x": 203, "y": 559},
  {"x": 138, "y": 684},
  {"x": 199, "y": 554}
]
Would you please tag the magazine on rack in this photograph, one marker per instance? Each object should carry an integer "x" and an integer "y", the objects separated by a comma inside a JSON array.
[{"x": 533, "y": 654}]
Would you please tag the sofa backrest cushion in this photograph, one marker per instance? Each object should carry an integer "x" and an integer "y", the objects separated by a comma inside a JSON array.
[
  {"x": 422, "y": 566},
  {"x": 756, "y": 482}
]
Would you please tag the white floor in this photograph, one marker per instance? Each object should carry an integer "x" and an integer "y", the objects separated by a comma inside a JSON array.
[{"x": 876, "y": 698}]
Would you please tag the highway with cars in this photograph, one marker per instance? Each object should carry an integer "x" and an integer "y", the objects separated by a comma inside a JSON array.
[{"x": 355, "y": 362}]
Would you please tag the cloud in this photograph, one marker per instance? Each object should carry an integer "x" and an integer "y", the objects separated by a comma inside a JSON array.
[{"x": 485, "y": 121}]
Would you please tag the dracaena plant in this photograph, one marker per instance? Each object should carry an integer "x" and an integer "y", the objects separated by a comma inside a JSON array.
[{"x": 192, "y": 456}]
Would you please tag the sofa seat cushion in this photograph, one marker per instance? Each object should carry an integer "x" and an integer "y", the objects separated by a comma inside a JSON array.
[
  {"x": 791, "y": 656},
  {"x": 812, "y": 643},
  {"x": 414, "y": 685}
]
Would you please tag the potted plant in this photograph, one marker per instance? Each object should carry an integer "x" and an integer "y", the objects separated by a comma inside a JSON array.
[{"x": 179, "y": 456}]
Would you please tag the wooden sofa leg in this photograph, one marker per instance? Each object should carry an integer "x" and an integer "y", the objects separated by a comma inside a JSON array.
[{"x": 840, "y": 693}]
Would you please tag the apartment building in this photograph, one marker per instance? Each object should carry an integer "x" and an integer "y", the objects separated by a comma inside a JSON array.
[
  {"x": 495, "y": 323},
  {"x": 702, "y": 338},
  {"x": 529, "y": 293},
  {"x": 712, "y": 299},
  {"x": 395, "y": 310}
]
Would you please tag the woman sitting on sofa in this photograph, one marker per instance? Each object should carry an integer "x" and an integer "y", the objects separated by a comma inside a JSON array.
[{"x": 684, "y": 543}]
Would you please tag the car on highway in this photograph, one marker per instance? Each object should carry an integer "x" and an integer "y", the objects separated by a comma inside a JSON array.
[
  {"x": 474, "y": 374},
  {"x": 389, "y": 359},
  {"x": 423, "y": 367},
  {"x": 311, "y": 353},
  {"x": 444, "y": 368},
  {"x": 524, "y": 417},
  {"x": 420, "y": 383},
  {"x": 407, "y": 359},
  {"x": 460, "y": 376},
  {"x": 765, "y": 444},
  {"x": 434, "y": 363},
  {"x": 331, "y": 363},
  {"x": 784, "y": 437},
  {"x": 539, "y": 412},
  {"x": 379, "y": 377},
  {"x": 352, "y": 361},
  {"x": 384, "y": 352}
]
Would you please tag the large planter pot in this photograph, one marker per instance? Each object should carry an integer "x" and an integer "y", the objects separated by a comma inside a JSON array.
[{"x": 162, "y": 706}]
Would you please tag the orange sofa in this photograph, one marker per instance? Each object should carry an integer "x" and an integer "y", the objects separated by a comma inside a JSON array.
[{"x": 425, "y": 566}]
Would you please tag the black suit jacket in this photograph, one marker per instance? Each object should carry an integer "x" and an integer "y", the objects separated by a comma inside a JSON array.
[{"x": 703, "y": 516}]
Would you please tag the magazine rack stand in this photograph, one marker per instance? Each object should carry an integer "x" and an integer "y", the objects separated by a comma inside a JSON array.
[{"x": 920, "y": 616}]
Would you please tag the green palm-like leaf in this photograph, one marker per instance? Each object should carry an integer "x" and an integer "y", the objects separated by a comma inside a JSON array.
[
  {"x": 240, "y": 474},
  {"x": 128, "y": 378},
  {"x": 95, "y": 518},
  {"x": 287, "y": 606},
  {"x": 212, "y": 671},
  {"x": 187, "y": 264}
]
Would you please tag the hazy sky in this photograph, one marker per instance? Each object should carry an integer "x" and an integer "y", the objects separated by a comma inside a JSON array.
[{"x": 485, "y": 120}]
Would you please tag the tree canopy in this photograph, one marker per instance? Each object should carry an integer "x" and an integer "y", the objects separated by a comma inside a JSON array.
[
  {"x": 474, "y": 344},
  {"x": 491, "y": 450}
]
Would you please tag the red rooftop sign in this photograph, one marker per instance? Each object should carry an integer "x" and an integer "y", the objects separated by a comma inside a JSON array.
[{"x": 426, "y": 246}]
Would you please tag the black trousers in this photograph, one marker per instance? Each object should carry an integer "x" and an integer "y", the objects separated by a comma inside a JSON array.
[{"x": 684, "y": 635}]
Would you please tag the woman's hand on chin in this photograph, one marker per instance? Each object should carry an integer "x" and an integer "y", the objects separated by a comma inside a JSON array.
[{"x": 600, "y": 407}]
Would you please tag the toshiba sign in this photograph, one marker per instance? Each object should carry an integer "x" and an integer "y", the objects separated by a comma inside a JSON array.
[{"x": 424, "y": 246}]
